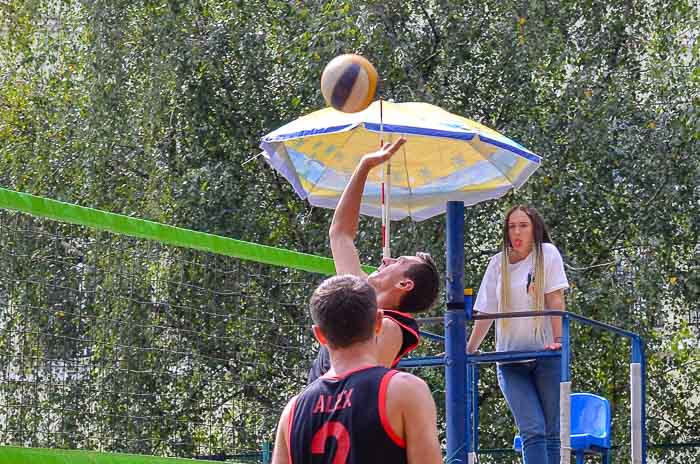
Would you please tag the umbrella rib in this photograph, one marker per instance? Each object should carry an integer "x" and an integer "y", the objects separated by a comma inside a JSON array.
[{"x": 489, "y": 161}]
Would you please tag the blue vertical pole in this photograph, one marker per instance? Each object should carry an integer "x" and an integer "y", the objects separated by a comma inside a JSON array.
[
  {"x": 475, "y": 408},
  {"x": 469, "y": 303},
  {"x": 644, "y": 401},
  {"x": 565, "y": 350},
  {"x": 472, "y": 385},
  {"x": 469, "y": 388},
  {"x": 455, "y": 338},
  {"x": 267, "y": 452}
]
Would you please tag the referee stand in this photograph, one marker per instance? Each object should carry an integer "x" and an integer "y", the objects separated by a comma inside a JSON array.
[{"x": 461, "y": 369}]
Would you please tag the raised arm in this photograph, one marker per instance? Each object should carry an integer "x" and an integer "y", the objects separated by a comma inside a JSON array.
[{"x": 347, "y": 214}]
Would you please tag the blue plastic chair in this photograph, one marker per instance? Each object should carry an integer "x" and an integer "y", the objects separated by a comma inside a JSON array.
[{"x": 590, "y": 427}]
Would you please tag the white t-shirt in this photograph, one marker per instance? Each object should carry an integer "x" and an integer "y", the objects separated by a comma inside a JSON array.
[{"x": 519, "y": 333}]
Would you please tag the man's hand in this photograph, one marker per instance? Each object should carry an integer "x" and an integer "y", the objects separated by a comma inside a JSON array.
[{"x": 372, "y": 160}]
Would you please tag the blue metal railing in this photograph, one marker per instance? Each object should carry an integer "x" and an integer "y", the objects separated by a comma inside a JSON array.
[{"x": 471, "y": 410}]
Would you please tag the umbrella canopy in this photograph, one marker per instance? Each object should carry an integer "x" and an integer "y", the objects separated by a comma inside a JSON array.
[{"x": 446, "y": 157}]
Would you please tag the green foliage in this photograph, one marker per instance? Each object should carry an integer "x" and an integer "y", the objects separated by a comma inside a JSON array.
[
  {"x": 152, "y": 108},
  {"x": 123, "y": 345}
]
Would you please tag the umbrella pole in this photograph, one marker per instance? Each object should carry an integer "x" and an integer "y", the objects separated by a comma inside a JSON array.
[
  {"x": 387, "y": 245},
  {"x": 386, "y": 190}
]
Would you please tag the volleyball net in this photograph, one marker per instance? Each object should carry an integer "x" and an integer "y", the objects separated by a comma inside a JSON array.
[
  {"x": 111, "y": 342},
  {"x": 121, "y": 335}
]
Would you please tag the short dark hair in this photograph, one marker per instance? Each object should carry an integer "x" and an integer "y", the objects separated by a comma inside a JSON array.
[
  {"x": 345, "y": 309},
  {"x": 426, "y": 284}
]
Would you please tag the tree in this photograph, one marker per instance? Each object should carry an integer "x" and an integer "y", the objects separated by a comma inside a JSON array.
[{"x": 155, "y": 109}]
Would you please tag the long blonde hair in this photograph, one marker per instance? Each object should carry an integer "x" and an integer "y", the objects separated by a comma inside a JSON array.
[{"x": 540, "y": 236}]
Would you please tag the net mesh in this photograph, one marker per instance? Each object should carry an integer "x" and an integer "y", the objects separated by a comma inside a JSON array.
[{"x": 112, "y": 343}]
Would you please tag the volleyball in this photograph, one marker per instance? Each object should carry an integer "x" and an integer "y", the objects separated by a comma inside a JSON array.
[{"x": 349, "y": 82}]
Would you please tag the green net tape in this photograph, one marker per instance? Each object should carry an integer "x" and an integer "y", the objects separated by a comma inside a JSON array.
[
  {"x": 124, "y": 225},
  {"x": 16, "y": 455}
]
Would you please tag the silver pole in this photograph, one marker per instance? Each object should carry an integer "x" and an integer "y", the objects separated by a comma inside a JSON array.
[
  {"x": 636, "y": 411},
  {"x": 386, "y": 189},
  {"x": 565, "y": 421}
]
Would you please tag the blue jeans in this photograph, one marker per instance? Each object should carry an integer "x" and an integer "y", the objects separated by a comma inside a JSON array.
[{"x": 531, "y": 390}]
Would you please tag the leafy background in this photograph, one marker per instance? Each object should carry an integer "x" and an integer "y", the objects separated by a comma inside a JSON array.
[{"x": 152, "y": 108}]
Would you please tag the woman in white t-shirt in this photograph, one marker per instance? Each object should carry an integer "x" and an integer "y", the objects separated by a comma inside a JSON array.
[{"x": 527, "y": 275}]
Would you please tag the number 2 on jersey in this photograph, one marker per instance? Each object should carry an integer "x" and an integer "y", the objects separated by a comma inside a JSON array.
[{"x": 342, "y": 438}]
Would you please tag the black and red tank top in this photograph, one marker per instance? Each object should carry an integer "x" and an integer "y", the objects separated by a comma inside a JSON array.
[
  {"x": 411, "y": 338},
  {"x": 342, "y": 420}
]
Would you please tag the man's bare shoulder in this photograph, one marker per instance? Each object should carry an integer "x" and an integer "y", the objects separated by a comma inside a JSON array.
[
  {"x": 280, "y": 454},
  {"x": 406, "y": 386},
  {"x": 288, "y": 408},
  {"x": 391, "y": 327},
  {"x": 390, "y": 341}
]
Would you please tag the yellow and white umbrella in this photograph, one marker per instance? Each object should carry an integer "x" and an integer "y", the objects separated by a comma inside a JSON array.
[{"x": 446, "y": 157}]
